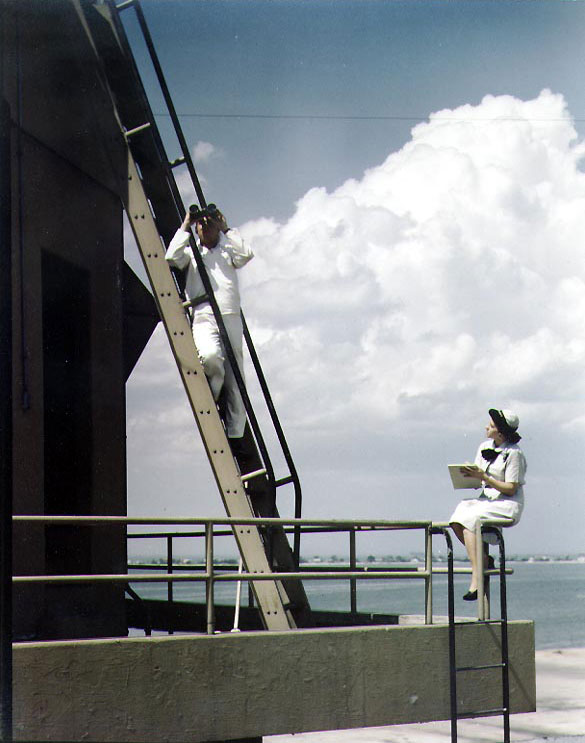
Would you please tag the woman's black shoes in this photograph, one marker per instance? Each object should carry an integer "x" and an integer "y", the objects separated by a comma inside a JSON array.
[{"x": 472, "y": 595}]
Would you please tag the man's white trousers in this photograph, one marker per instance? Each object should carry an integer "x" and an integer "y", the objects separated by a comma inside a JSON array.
[{"x": 217, "y": 367}]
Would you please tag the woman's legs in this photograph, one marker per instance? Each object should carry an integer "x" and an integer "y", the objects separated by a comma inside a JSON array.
[
  {"x": 468, "y": 538},
  {"x": 458, "y": 530},
  {"x": 470, "y": 541}
]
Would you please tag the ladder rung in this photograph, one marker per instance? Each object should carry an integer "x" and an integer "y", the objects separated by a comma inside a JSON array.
[
  {"x": 283, "y": 481},
  {"x": 483, "y": 713},
  {"x": 292, "y": 605},
  {"x": 252, "y": 475},
  {"x": 137, "y": 129},
  {"x": 177, "y": 162},
  {"x": 481, "y": 668},
  {"x": 124, "y": 5}
]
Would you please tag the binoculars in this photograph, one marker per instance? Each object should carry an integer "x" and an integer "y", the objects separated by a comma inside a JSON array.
[{"x": 210, "y": 210}]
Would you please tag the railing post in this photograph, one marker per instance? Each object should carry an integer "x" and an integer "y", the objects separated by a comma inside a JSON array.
[
  {"x": 352, "y": 565},
  {"x": 170, "y": 583},
  {"x": 486, "y": 584},
  {"x": 209, "y": 582},
  {"x": 236, "y": 627},
  {"x": 480, "y": 575},
  {"x": 429, "y": 576}
]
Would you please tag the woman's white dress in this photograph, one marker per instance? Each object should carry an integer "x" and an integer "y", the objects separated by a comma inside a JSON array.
[{"x": 508, "y": 466}]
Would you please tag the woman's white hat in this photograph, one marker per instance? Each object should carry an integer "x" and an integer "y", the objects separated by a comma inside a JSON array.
[
  {"x": 507, "y": 423},
  {"x": 511, "y": 419}
]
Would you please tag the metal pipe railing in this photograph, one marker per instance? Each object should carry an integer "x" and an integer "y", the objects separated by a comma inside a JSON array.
[
  {"x": 340, "y": 524},
  {"x": 210, "y": 575},
  {"x": 429, "y": 579},
  {"x": 352, "y": 565},
  {"x": 170, "y": 596}
]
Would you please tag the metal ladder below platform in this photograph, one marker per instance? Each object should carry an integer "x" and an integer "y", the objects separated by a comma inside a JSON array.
[
  {"x": 154, "y": 207},
  {"x": 456, "y": 626}
]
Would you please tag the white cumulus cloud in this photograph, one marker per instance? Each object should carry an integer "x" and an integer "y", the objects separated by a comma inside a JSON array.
[
  {"x": 203, "y": 152},
  {"x": 391, "y": 312},
  {"x": 454, "y": 266}
]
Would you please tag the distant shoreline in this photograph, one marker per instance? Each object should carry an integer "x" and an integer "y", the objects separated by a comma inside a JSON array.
[
  {"x": 440, "y": 558},
  {"x": 528, "y": 560}
]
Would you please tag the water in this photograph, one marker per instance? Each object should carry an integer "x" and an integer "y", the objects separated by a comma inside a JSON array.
[
  {"x": 553, "y": 594},
  {"x": 550, "y": 593}
]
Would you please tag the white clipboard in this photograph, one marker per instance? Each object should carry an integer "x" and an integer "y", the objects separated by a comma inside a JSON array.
[{"x": 460, "y": 482}]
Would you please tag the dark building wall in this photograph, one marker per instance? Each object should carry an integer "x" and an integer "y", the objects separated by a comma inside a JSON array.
[{"x": 68, "y": 164}]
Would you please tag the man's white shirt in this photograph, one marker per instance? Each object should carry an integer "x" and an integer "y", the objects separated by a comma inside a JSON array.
[{"x": 221, "y": 263}]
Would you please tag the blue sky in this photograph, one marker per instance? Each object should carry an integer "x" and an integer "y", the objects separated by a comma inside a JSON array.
[
  {"x": 414, "y": 202},
  {"x": 343, "y": 58}
]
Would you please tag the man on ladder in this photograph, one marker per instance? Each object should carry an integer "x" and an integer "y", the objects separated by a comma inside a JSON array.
[{"x": 223, "y": 252}]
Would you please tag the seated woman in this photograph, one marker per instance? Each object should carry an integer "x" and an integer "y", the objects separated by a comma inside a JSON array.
[{"x": 500, "y": 468}]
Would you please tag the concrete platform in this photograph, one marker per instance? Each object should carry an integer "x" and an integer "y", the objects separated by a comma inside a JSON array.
[
  {"x": 187, "y": 689},
  {"x": 559, "y": 716}
]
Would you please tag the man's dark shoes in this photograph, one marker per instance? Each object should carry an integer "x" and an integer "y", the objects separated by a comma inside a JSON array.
[{"x": 470, "y": 596}]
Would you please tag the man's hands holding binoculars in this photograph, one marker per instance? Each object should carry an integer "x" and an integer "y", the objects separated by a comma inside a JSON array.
[{"x": 210, "y": 212}]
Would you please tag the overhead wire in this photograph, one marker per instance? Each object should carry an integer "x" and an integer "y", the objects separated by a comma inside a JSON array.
[{"x": 342, "y": 117}]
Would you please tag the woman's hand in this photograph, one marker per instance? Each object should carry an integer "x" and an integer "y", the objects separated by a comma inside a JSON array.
[
  {"x": 472, "y": 470},
  {"x": 505, "y": 488}
]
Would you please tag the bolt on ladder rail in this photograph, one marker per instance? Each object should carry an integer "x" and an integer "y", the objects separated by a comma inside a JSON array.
[
  {"x": 154, "y": 207},
  {"x": 454, "y": 625},
  {"x": 187, "y": 160}
]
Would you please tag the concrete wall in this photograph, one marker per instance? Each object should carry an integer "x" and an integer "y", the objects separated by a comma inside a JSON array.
[
  {"x": 243, "y": 685},
  {"x": 68, "y": 166}
]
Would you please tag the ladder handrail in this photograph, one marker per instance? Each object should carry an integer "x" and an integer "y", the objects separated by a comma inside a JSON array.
[
  {"x": 180, "y": 207},
  {"x": 167, "y": 97},
  {"x": 435, "y": 529},
  {"x": 503, "y": 622},
  {"x": 281, "y": 437},
  {"x": 504, "y": 628},
  {"x": 187, "y": 160}
]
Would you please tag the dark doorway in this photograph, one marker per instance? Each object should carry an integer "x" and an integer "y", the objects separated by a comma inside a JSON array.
[{"x": 67, "y": 410}]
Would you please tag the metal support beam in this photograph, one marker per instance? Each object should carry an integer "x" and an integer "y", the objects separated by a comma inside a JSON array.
[
  {"x": 5, "y": 422},
  {"x": 209, "y": 582}
]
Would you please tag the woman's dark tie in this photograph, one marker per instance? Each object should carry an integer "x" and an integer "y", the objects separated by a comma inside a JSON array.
[{"x": 489, "y": 455}]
